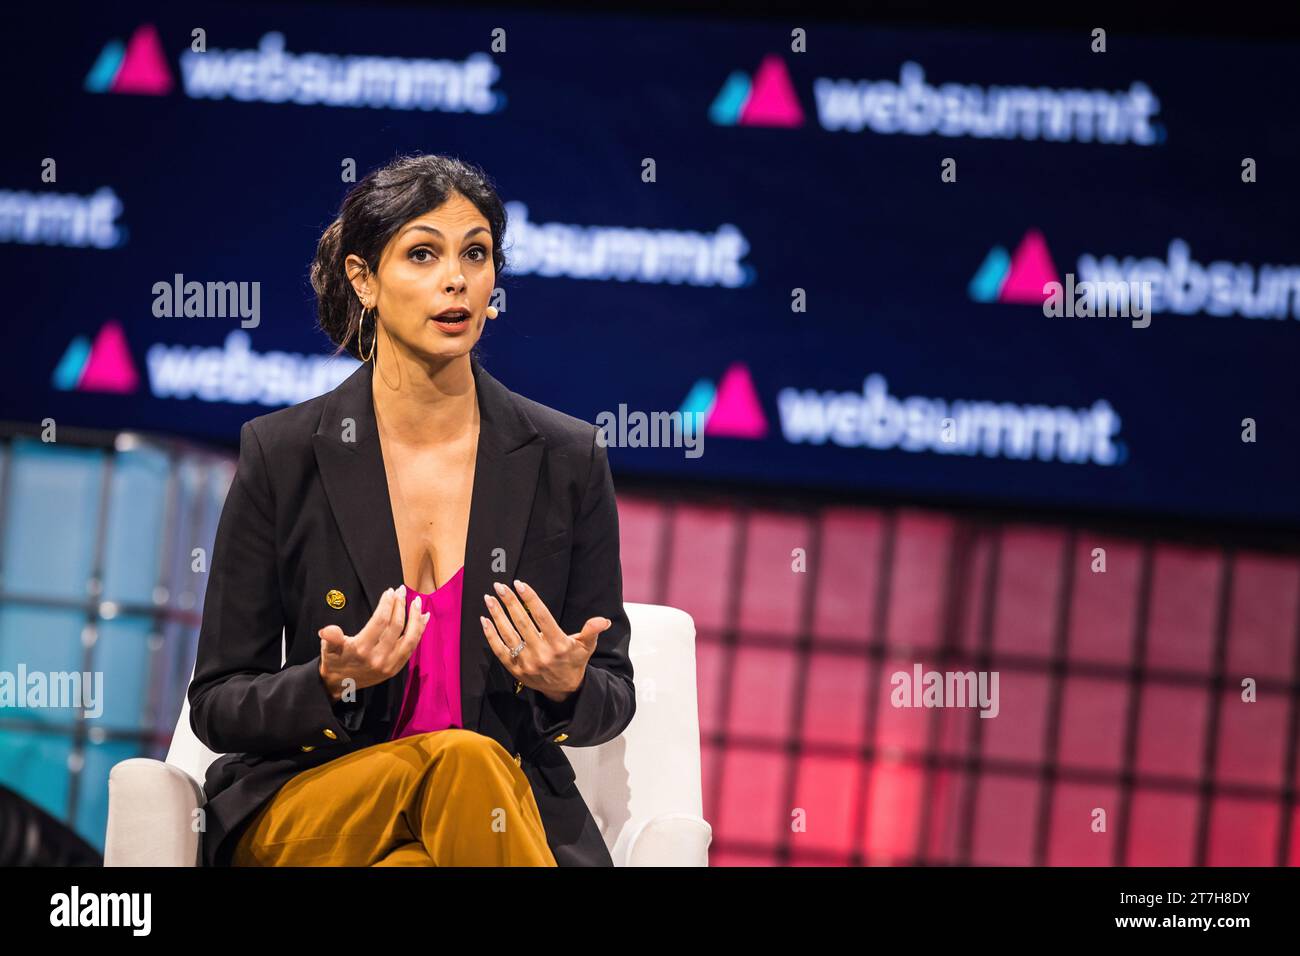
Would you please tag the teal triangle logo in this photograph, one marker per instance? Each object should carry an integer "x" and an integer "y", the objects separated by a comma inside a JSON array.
[
  {"x": 987, "y": 283},
  {"x": 726, "y": 106},
  {"x": 699, "y": 399},
  {"x": 68, "y": 372},
  {"x": 100, "y": 77}
]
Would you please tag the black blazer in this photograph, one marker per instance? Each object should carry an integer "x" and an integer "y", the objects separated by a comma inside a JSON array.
[{"x": 308, "y": 513}]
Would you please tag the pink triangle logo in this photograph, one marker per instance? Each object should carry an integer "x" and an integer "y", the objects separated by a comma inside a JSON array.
[
  {"x": 736, "y": 411},
  {"x": 1031, "y": 268},
  {"x": 771, "y": 100},
  {"x": 144, "y": 67},
  {"x": 109, "y": 367}
]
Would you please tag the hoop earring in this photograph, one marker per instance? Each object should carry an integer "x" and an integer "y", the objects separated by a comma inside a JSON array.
[{"x": 373, "y": 342}]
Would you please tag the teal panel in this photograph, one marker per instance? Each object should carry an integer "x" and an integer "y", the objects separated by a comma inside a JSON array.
[
  {"x": 51, "y": 518},
  {"x": 137, "y": 509},
  {"x": 40, "y": 640},
  {"x": 36, "y": 766},
  {"x": 124, "y": 657}
]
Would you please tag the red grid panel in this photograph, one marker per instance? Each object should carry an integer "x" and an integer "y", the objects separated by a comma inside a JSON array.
[
  {"x": 1265, "y": 605},
  {"x": 1171, "y": 741},
  {"x": 1184, "y": 606},
  {"x": 956, "y": 729},
  {"x": 947, "y": 794},
  {"x": 826, "y": 790},
  {"x": 1293, "y": 855},
  {"x": 762, "y": 693},
  {"x": 1250, "y": 749},
  {"x": 701, "y": 572},
  {"x": 733, "y": 857},
  {"x": 1093, "y": 715},
  {"x": 1243, "y": 832},
  {"x": 919, "y": 796},
  {"x": 752, "y": 804},
  {"x": 1080, "y": 836},
  {"x": 847, "y": 574},
  {"x": 1103, "y": 607},
  {"x": 901, "y": 730},
  {"x": 772, "y": 590},
  {"x": 835, "y": 702},
  {"x": 1005, "y": 813},
  {"x": 974, "y": 605},
  {"x": 1162, "y": 831},
  {"x": 1029, "y": 578},
  {"x": 921, "y": 550},
  {"x": 893, "y": 813},
  {"x": 1017, "y": 732},
  {"x": 641, "y": 525},
  {"x": 711, "y": 661}
]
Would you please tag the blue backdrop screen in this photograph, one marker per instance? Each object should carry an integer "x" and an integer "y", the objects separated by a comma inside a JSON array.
[{"x": 828, "y": 252}]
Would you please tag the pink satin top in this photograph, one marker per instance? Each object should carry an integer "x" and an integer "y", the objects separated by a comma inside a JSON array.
[{"x": 432, "y": 697}]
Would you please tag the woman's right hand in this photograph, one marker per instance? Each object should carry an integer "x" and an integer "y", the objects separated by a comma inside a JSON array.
[{"x": 376, "y": 652}]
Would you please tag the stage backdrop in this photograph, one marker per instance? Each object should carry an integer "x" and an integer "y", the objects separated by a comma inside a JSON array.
[{"x": 826, "y": 245}]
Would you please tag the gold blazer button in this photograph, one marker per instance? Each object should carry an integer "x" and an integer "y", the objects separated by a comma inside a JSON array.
[
  {"x": 330, "y": 734},
  {"x": 519, "y": 685},
  {"x": 561, "y": 737},
  {"x": 335, "y": 599},
  {"x": 305, "y": 748},
  {"x": 518, "y": 761}
]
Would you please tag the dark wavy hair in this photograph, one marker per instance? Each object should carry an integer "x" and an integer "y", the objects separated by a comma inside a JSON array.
[{"x": 370, "y": 215}]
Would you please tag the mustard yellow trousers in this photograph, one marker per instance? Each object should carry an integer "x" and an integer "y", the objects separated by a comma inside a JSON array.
[{"x": 445, "y": 798}]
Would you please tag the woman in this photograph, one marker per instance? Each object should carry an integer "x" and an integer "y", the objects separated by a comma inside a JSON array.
[{"x": 442, "y": 557}]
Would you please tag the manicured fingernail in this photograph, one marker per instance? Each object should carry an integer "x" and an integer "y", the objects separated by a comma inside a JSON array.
[
  {"x": 501, "y": 588},
  {"x": 520, "y": 586},
  {"x": 484, "y": 621},
  {"x": 416, "y": 604},
  {"x": 487, "y": 599}
]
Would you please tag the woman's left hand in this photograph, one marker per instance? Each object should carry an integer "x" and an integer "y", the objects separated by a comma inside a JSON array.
[{"x": 552, "y": 663}]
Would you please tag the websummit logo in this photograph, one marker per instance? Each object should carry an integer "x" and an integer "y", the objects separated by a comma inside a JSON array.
[
  {"x": 105, "y": 366},
  {"x": 912, "y": 106},
  {"x": 1016, "y": 277},
  {"x": 136, "y": 67},
  {"x": 730, "y": 409},
  {"x": 272, "y": 74},
  {"x": 231, "y": 372},
  {"x": 766, "y": 100}
]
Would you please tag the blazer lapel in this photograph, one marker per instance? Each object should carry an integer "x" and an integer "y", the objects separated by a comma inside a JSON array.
[{"x": 506, "y": 466}]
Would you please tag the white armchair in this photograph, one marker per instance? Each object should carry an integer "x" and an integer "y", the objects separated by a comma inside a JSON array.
[{"x": 643, "y": 787}]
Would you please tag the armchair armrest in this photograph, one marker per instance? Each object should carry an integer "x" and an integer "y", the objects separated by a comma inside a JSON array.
[
  {"x": 151, "y": 815},
  {"x": 670, "y": 839}
]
